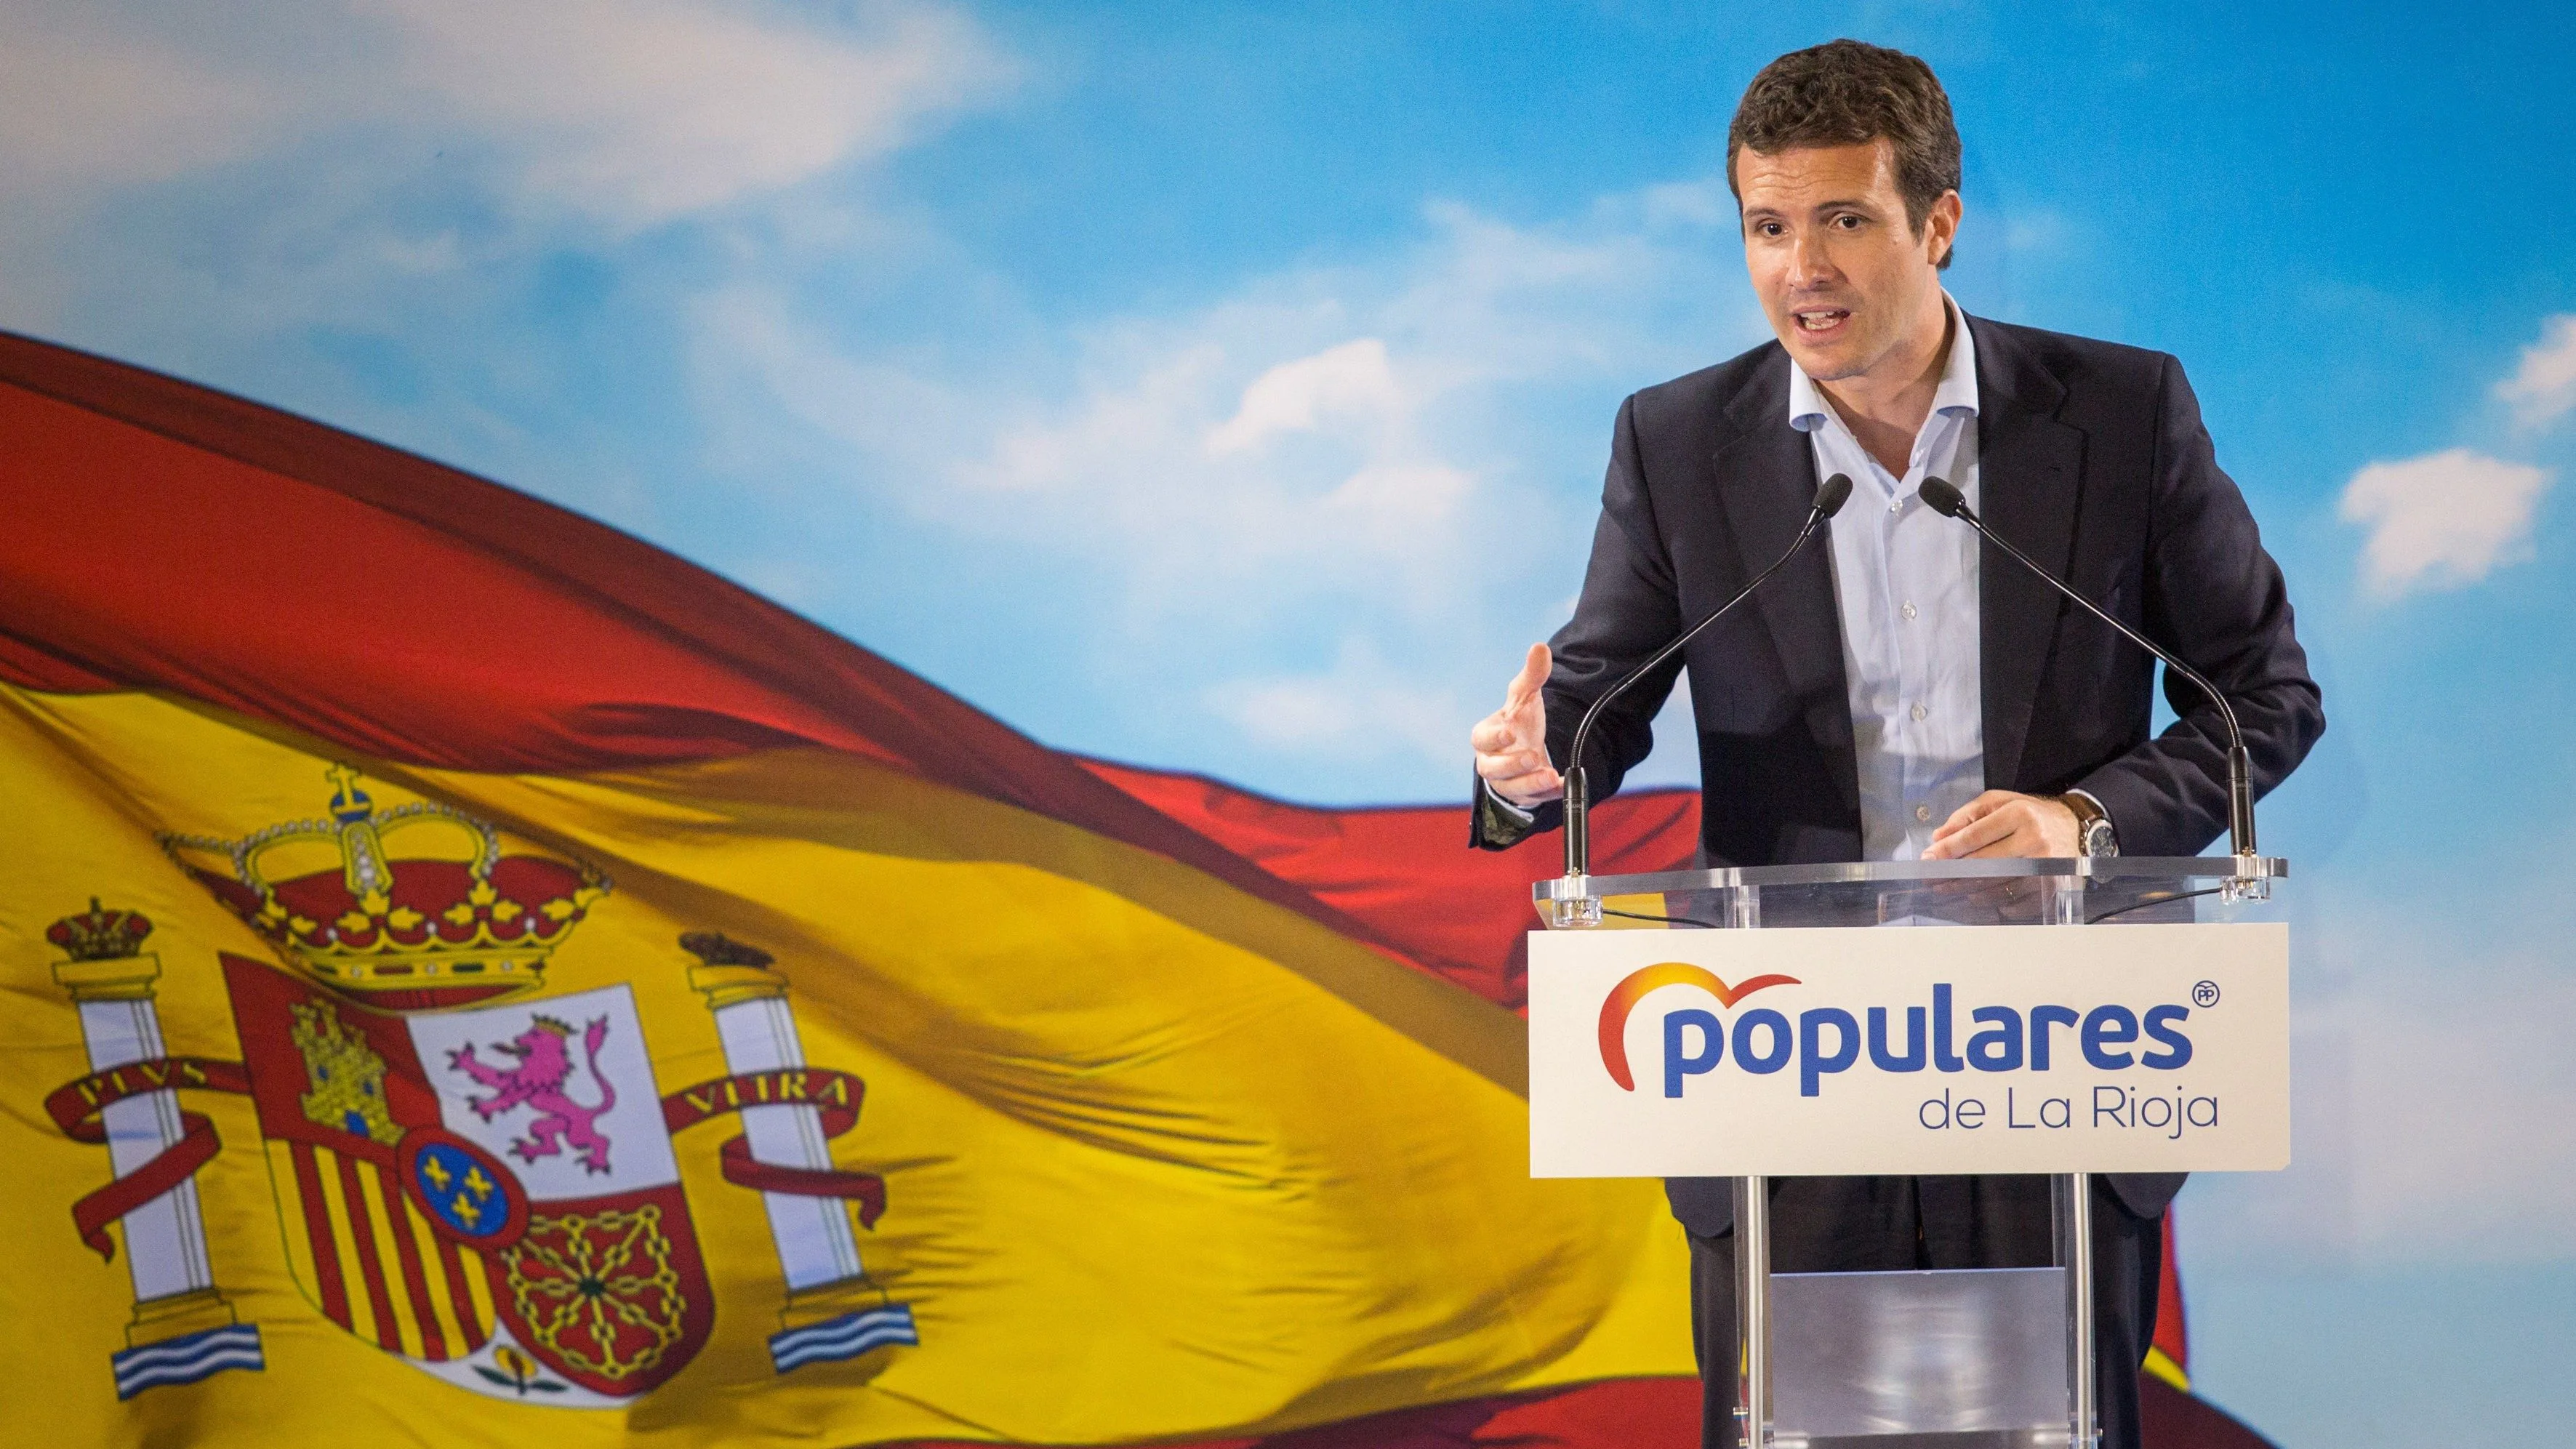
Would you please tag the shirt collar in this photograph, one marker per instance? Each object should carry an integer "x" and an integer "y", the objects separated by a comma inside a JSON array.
[{"x": 1955, "y": 396}]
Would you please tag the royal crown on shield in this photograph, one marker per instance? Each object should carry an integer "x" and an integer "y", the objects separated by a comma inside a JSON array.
[{"x": 451, "y": 920}]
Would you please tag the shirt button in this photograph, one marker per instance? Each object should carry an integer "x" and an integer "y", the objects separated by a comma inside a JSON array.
[
  {"x": 1896, "y": 505},
  {"x": 1922, "y": 812},
  {"x": 1909, "y": 611},
  {"x": 1920, "y": 711}
]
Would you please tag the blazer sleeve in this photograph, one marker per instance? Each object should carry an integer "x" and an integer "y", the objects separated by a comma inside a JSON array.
[
  {"x": 1629, "y": 608},
  {"x": 2213, "y": 596}
]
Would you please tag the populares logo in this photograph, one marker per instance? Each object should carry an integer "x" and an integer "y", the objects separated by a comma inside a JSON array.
[{"x": 1826, "y": 1040}]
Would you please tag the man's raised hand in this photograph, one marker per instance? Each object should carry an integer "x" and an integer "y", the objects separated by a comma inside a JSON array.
[{"x": 1511, "y": 743}]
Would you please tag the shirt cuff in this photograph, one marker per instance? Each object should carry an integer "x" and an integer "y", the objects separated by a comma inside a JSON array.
[{"x": 1505, "y": 808}]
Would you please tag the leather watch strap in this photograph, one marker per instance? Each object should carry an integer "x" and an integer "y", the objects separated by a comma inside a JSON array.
[
  {"x": 2094, "y": 835},
  {"x": 2086, "y": 810}
]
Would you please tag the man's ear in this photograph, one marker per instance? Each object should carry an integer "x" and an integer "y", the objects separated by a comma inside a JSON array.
[{"x": 1943, "y": 224}]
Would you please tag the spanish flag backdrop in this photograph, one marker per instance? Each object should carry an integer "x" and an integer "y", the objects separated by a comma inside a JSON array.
[
  {"x": 469, "y": 977},
  {"x": 473, "y": 978}
]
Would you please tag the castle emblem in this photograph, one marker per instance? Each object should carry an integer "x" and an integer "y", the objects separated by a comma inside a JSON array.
[{"x": 348, "y": 1080}]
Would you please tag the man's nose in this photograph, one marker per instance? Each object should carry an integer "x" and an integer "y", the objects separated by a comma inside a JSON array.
[{"x": 1809, "y": 263}]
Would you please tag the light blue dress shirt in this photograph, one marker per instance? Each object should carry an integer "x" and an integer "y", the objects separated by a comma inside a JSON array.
[
  {"x": 1905, "y": 584},
  {"x": 1905, "y": 579}
]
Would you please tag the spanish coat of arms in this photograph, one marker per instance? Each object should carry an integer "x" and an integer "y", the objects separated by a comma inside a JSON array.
[{"x": 473, "y": 1175}]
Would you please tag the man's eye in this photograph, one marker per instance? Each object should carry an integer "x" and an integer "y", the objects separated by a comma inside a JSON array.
[{"x": 1847, "y": 222}]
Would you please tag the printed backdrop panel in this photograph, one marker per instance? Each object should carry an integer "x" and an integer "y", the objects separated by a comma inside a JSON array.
[{"x": 2138, "y": 1048}]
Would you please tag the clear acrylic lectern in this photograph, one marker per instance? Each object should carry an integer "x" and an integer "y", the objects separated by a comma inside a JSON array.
[{"x": 1967, "y": 1359}]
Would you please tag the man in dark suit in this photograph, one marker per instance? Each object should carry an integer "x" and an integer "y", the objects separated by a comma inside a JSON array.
[{"x": 1899, "y": 692}]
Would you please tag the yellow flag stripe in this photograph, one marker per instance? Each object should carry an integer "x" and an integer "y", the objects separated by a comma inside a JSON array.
[
  {"x": 381, "y": 1217},
  {"x": 1094, "y": 1076},
  {"x": 478, "y": 1289},
  {"x": 765, "y": 803},
  {"x": 2162, "y": 1366},
  {"x": 291, "y": 1227},
  {"x": 440, "y": 1310}
]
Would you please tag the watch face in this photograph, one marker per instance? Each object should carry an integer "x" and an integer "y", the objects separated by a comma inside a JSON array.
[{"x": 2099, "y": 838}]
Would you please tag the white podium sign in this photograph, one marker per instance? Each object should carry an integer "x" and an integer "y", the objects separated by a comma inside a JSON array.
[{"x": 1952, "y": 1049}]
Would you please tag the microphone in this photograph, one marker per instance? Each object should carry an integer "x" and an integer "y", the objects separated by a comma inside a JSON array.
[
  {"x": 1950, "y": 503},
  {"x": 1830, "y": 496}
]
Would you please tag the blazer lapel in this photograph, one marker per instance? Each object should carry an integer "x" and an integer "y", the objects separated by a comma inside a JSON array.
[
  {"x": 1766, "y": 482},
  {"x": 2029, "y": 469}
]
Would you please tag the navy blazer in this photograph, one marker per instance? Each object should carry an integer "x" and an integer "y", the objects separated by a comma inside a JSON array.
[{"x": 2093, "y": 459}]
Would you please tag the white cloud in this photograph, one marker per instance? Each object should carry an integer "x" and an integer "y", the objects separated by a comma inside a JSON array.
[
  {"x": 1350, "y": 379},
  {"x": 2543, "y": 389},
  {"x": 2032, "y": 229},
  {"x": 620, "y": 112},
  {"x": 1318, "y": 417},
  {"x": 84, "y": 101},
  {"x": 2442, "y": 521},
  {"x": 1360, "y": 711},
  {"x": 1330, "y": 469},
  {"x": 641, "y": 110},
  {"x": 2433, "y": 1112},
  {"x": 2463, "y": 1121},
  {"x": 1357, "y": 458}
]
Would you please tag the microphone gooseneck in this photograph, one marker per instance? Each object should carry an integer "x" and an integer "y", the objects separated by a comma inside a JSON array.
[
  {"x": 1947, "y": 501},
  {"x": 1830, "y": 496}
]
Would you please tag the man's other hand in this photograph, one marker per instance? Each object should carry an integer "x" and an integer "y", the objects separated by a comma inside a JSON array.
[
  {"x": 2001, "y": 823},
  {"x": 1511, "y": 743}
]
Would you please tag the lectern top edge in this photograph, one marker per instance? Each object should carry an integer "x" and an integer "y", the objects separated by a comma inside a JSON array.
[{"x": 2152, "y": 867}]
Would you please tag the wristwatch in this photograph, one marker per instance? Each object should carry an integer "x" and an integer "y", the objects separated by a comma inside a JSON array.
[{"x": 2093, "y": 833}]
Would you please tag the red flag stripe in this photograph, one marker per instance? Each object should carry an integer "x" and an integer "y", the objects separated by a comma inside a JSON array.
[
  {"x": 1651, "y": 1413},
  {"x": 321, "y": 569},
  {"x": 2173, "y": 1333},
  {"x": 362, "y": 1233},
  {"x": 2171, "y": 1419},
  {"x": 1406, "y": 871},
  {"x": 317, "y": 1226},
  {"x": 433, "y": 1340},
  {"x": 452, "y": 1263}
]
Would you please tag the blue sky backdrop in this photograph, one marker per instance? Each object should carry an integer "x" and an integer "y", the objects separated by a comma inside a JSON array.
[{"x": 1227, "y": 388}]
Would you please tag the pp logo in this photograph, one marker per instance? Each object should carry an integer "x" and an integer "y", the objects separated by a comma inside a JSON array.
[
  {"x": 2205, "y": 994},
  {"x": 1623, "y": 998}
]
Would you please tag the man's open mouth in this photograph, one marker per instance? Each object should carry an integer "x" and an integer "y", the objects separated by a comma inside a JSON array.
[{"x": 1821, "y": 319}]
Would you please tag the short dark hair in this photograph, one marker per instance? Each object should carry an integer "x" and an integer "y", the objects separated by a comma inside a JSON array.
[{"x": 1845, "y": 93}]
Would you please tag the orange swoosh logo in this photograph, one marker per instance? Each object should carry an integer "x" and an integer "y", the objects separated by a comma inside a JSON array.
[{"x": 1632, "y": 988}]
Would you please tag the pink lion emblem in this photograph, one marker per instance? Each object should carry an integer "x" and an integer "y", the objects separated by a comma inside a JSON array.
[{"x": 538, "y": 1083}]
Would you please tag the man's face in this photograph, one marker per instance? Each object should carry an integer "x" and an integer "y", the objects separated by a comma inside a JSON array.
[{"x": 1845, "y": 280}]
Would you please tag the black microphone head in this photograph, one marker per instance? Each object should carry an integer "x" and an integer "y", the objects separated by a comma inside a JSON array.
[
  {"x": 1947, "y": 501},
  {"x": 1831, "y": 493}
]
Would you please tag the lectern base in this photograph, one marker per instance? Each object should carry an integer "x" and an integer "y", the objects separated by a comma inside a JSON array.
[
  {"x": 1971, "y": 1358},
  {"x": 1965, "y": 1439},
  {"x": 1881, "y": 1329}
]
